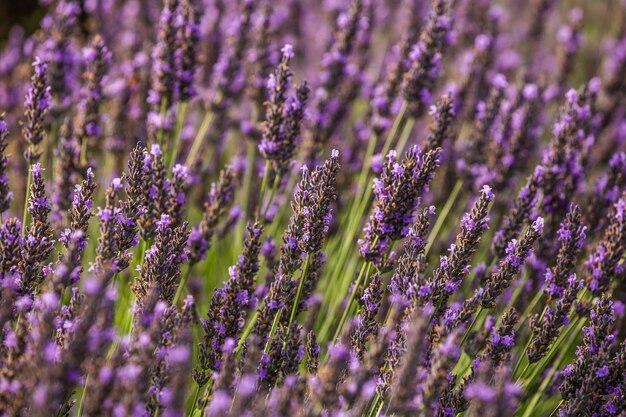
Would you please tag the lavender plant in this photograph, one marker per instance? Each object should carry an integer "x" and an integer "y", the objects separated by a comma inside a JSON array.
[{"x": 281, "y": 208}]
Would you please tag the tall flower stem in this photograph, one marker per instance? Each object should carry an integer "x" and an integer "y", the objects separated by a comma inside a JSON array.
[
  {"x": 164, "y": 112},
  {"x": 247, "y": 189},
  {"x": 371, "y": 147},
  {"x": 195, "y": 400},
  {"x": 199, "y": 139},
  {"x": 521, "y": 359},
  {"x": 530, "y": 407},
  {"x": 270, "y": 336},
  {"x": 83, "y": 394},
  {"x": 29, "y": 180},
  {"x": 48, "y": 156},
  {"x": 263, "y": 189},
  {"x": 363, "y": 275},
  {"x": 471, "y": 326},
  {"x": 182, "y": 285},
  {"x": 271, "y": 195},
  {"x": 443, "y": 216},
  {"x": 247, "y": 330},
  {"x": 172, "y": 150},
  {"x": 294, "y": 309},
  {"x": 363, "y": 196},
  {"x": 556, "y": 409},
  {"x": 407, "y": 129}
]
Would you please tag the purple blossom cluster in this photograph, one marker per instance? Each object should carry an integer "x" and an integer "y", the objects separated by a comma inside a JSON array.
[{"x": 336, "y": 208}]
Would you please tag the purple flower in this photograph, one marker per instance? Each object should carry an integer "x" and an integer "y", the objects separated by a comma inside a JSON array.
[
  {"x": 283, "y": 116},
  {"x": 37, "y": 103},
  {"x": 228, "y": 308},
  {"x": 398, "y": 191},
  {"x": 603, "y": 262},
  {"x": 425, "y": 60},
  {"x": 5, "y": 192}
]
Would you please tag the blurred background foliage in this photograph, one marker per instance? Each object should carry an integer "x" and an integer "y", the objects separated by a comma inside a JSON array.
[{"x": 24, "y": 13}]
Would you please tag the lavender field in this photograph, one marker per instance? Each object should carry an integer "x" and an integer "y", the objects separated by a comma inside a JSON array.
[{"x": 298, "y": 208}]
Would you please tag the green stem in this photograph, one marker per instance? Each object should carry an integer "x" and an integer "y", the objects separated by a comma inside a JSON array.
[
  {"x": 294, "y": 309},
  {"x": 173, "y": 149},
  {"x": 397, "y": 123},
  {"x": 205, "y": 401},
  {"x": 163, "y": 114},
  {"x": 553, "y": 413},
  {"x": 25, "y": 216},
  {"x": 263, "y": 188},
  {"x": 521, "y": 375},
  {"x": 247, "y": 330},
  {"x": 197, "y": 142},
  {"x": 521, "y": 359},
  {"x": 378, "y": 409},
  {"x": 142, "y": 252},
  {"x": 247, "y": 189},
  {"x": 471, "y": 326},
  {"x": 82, "y": 397},
  {"x": 365, "y": 169},
  {"x": 182, "y": 285},
  {"x": 573, "y": 330},
  {"x": 270, "y": 198},
  {"x": 250, "y": 164},
  {"x": 444, "y": 214},
  {"x": 405, "y": 135},
  {"x": 195, "y": 400},
  {"x": 529, "y": 309},
  {"x": 272, "y": 331},
  {"x": 364, "y": 272},
  {"x": 49, "y": 150}
]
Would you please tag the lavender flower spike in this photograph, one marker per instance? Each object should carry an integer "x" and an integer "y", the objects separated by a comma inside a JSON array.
[
  {"x": 304, "y": 237},
  {"x": 164, "y": 86},
  {"x": 278, "y": 85},
  {"x": 572, "y": 237},
  {"x": 37, "y": 104},
  {"x": 191, "y": 15},
  {"x": 547, "y": 328},
  {"x": 39, "y": 239},
  {"x": 604, "y": 262},
  {"x": 398, "y": 191},
  {"x": 229, "y": 306},
  {"x": 524, "y": 206},
  {"x": 220, "y": 197},
  {"x": 76, "y": 237},
  {"x": 516, "y": 253},
  {"x": 97, "y": 57},
  {"x": 408, "y": 279},
  {"x": 425, "y": 59},
  {"x": 58, "y": 51},
  {"x": 585, "y": 379},
  {"x": 448, "y": 277},
  {"x": 5, "y": 192},
  {"x": 366, "y": 326},
  {"x": 354, "y": 301},
  {"x": 283, "y": 116},
  {"x": 499, "y": 399},
  {"x": 161, "y": 268},
  {"x": 132, "y": 207}
]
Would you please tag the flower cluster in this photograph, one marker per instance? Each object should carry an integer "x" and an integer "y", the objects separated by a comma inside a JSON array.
[
  {"x": 398, "y": 191},
  {"x": 260, "y": 208}
]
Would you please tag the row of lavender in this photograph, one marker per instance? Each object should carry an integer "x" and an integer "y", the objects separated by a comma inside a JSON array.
[{"x": 433, "y": 224}]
